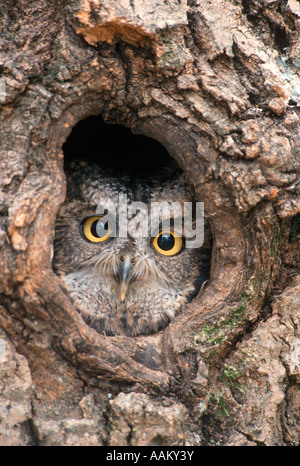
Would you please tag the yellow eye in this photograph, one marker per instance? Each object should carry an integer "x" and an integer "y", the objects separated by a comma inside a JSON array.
[
  {"x": 168, "y": 243},
  {"x": 95, "y": 229}
]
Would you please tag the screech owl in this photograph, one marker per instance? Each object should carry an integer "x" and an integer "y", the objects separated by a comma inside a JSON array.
[{"x": 130, "y": 285}]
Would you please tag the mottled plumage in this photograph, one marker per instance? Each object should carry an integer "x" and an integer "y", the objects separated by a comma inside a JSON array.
[{"x": 159, "y": 285}]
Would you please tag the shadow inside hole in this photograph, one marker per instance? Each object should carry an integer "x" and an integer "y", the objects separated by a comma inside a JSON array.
[{"x": 116, "y": 148}]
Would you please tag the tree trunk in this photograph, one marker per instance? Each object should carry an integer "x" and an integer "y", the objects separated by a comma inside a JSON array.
[{"x": 217, "y": 84}]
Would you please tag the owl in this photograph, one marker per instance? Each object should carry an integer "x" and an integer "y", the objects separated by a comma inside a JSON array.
[{"x": 131, "y": 284}]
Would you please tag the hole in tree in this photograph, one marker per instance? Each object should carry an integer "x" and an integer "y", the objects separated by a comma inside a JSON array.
[
  {"x": 125, "y": 285},
  {"x": 115, "y": 147}
]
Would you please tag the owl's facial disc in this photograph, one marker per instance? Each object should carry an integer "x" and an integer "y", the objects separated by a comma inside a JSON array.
[{"x": 124, "y": 276}]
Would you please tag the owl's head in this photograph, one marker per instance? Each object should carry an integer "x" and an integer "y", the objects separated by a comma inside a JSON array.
[{"x": 131, "y": 280}]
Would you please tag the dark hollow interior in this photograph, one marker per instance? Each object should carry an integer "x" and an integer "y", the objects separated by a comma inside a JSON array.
[{"x": 115, "y": 147}]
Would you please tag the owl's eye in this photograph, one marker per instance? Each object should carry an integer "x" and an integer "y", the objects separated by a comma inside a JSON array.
[
  {"x": 168, "y": 243},
  {"x": 95, "y": 229}
]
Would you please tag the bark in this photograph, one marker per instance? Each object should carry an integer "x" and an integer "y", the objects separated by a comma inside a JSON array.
[{"x": 217, "y": 84}]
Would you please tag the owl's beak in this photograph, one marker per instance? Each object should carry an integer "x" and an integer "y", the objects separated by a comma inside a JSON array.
[{"x": 125, "y": 269}]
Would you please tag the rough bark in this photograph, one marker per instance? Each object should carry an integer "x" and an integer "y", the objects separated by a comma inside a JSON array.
[{"x": 217, "y": 84}]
